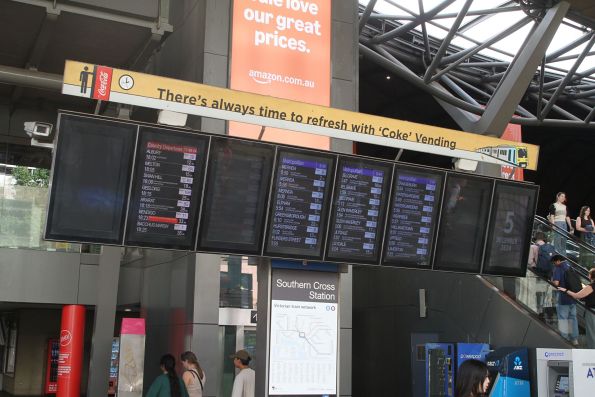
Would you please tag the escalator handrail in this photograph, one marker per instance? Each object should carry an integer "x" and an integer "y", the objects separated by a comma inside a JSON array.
[
  {"x": 565, "y": 233},
  {"x": 550, "y": 282},
  {"x": 580, "y": 269}
]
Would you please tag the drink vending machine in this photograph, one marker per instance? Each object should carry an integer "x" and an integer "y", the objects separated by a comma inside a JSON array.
[{"x": 439, "y": 370}]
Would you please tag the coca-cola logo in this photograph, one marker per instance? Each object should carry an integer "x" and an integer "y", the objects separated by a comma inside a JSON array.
[
  {"x": 103, "y": 81},
  {"x": 65, "y": 337}
]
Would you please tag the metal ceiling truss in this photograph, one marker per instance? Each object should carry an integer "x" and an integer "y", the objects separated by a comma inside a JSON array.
[{"x": 469, "y": 80}]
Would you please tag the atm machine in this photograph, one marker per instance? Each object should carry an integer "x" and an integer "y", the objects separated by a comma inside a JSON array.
[
  {"x": 553, "y": 372},
  {"x": 440, "y": 370},
  {"x": 509, "y": 372}
]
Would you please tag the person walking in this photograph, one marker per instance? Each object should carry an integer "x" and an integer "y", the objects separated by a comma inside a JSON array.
[
  {"x": 559, "y": 217},
  {"x": 168, "y": 384},
  {"x": 473, "y": 379},
  {"x": 566, "y": 306},
  {"x": 244, "y": 382},
  {"x": 588, "y": 294},
  {"x": 194, "y": 377}
]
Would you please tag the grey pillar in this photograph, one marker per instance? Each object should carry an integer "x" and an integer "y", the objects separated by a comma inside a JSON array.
[
  {"x": 105, "y": 315},
  {"x": 514, "y": 84}
]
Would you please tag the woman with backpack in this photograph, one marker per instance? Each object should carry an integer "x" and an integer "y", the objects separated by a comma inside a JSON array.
[
  {"x": 194, "y": 377},
  {"x": 588, "y": 294}
]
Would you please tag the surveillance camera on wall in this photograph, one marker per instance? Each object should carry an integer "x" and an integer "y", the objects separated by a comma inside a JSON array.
[{"x": 38, "y": 129}]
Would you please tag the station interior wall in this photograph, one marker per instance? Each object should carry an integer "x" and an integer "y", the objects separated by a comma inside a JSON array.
[{"x": 460, "y": 308}]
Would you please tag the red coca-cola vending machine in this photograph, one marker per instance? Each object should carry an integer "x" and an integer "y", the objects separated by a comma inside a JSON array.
[{"x": 51, "y": 373}]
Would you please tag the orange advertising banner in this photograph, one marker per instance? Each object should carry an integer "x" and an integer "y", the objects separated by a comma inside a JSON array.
[{"x": 281, "y": 48}]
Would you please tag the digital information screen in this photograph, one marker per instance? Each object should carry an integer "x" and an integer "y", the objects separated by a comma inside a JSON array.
[
  {"x": 90, "y": 180},
  {"x": 299, "y": 206},
  {"x": 236, "y": 194},
  {"x": 411, "y": 228},
  {"x": 360, "y": 200},
  {"x": 463, "y": 223},
  {"x": 510, "y": 229},
  {"x": 167, "y": 189}
]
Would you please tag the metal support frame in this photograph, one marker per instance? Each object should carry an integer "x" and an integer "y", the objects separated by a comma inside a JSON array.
[{"x": 466, "y": 79}]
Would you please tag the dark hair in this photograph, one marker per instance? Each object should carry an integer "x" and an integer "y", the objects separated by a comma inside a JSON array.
[
  {"x": 592, "y": 274},
  {"x": 168, "y": 362},
  {"x": 246, "y": 361},
  {"x": 559, "y": 194},
  {"x": 470, "y": 378},
  {"x": 584, "y": 209},
  {"x": 540, "y": 236},
  {"x": 191, "y": 358}
]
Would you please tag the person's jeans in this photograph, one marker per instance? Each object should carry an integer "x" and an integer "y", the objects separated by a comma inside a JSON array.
[
  {"x": 560, "y": 240},
  {"x": 567, "y": 322}
]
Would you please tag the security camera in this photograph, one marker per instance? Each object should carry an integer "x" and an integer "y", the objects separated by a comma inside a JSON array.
[{"x": 38, "y": 129}]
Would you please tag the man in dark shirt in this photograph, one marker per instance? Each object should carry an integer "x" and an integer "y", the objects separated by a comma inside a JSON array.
[{"x": 566, "y": 306}]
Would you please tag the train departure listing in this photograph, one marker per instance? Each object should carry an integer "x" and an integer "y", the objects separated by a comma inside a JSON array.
[
  {"x": 298, "y": 209},
  {"x": 358, "y": 211},
  {"x": 164, "y": 207},
  {"x": 413, "y": 217}
]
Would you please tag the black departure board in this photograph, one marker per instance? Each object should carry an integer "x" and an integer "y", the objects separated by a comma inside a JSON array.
[
  {"x": 510, "y": 229},
  {"x": 90, "y": 180},
  {"x": 411, "y": 228},
  {"x": 236, "y": 194},
  {"x": 463, "y": 223},
  {"x": 299, "y": 205},
  {"x": 167, "y": 189},
  {"x": 357, "y": 216}
]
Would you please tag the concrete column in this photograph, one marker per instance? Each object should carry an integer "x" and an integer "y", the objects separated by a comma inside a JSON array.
[{"x": 105, "y": 315}]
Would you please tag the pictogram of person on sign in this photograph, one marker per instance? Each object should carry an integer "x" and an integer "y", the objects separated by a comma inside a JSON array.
[{"x": 84, "y": 79}]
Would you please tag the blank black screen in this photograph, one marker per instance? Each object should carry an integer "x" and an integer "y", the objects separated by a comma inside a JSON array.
[
  {"x": 510, "y": 229},
  {"x": 90, "y": 181},
  {"x": 463, "y": 223},
  {"x": 238, "y": 181}
]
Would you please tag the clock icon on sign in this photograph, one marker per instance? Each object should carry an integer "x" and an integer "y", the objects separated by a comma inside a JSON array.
[{"x": 126, "y": 82}]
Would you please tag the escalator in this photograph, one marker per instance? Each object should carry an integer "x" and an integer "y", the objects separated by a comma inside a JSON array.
[{"x": 536, "y": 294}]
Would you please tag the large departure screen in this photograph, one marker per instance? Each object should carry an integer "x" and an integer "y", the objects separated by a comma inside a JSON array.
[
  {"x": 357, "y": 221},
  {"x": 510, "y": 229},
  {"x": 91, "y": 178},
  {"x": 167, "y": 188},
  {"x": 411, "y": 228},
  {"x": 463, "y": 223},
  {"x": 299, "y": 206},
  {"x": 236, "y": 196}
]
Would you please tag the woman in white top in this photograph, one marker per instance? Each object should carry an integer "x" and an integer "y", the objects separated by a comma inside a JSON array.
[
  {"x": 194, "y": 377},
  {"x": 559, "y": 217}
]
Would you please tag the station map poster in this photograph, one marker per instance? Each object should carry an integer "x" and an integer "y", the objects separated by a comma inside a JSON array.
[
  {"x": 510, "y": 229},
  {"x": 91, "y": 177},
  {"x": 237, "y": 187},
  {"x": 299, "y": 206},
  {"x": 411, "y": 226},
  {"x": 463, "y": 223},
  {"x": 303, "y": 333},
  {"x": 167, "y": 189},
  {"x": 359, "y": 208}
]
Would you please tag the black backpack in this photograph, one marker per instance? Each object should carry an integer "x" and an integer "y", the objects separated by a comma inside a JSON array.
[
  {"x": 544, "y": 259},
  {"x": 571, "y": 280}
]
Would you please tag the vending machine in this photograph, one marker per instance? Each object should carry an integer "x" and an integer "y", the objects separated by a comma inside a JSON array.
[
  {"x": 509, "y": 372},
  {"x": 113, "y": 367},
  {"x": 439, "y": 370},
  {"x": 51, "y": 372},
  {"x": 467, "y": 351}
]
